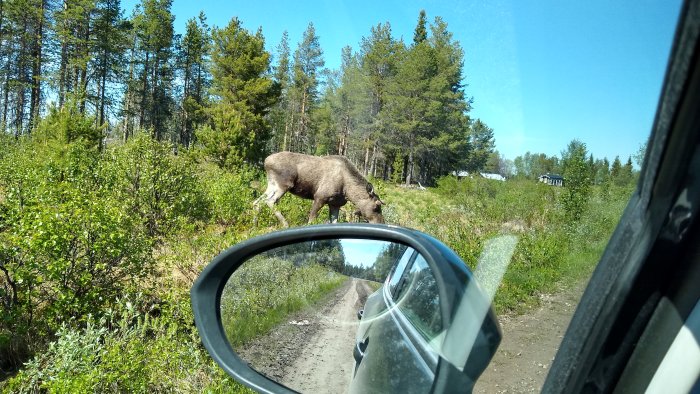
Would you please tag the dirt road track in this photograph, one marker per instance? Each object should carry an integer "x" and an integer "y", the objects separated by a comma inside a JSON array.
[
  {"x": 529, "y": 344},
  {"x": 312, "y": 351}
]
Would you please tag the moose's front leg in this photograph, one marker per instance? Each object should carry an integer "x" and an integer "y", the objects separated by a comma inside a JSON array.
[
  {"x": 333, "y": 213},
  {"x": 315, "y": 207}
]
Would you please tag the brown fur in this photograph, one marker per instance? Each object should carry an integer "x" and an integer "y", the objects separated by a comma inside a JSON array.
[{"x": 327, "y": 180}]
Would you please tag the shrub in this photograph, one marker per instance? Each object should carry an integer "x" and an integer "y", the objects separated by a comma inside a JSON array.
[
  {"x": 123, "y": 351},
  {"x": 67, "y": 246},
  {"x": 156, "y": 185},
  {"x": 230, "y": 193}
]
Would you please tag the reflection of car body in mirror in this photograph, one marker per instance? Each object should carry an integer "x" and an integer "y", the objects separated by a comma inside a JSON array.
[{"x": 404, "y": 327}]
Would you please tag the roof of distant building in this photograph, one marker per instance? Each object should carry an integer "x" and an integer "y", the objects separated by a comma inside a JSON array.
[{"x": 552, "y": 176}]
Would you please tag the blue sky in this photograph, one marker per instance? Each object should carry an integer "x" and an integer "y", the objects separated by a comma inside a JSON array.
[
  {"x": 362, "y": 252},
  {"x": 541, "y": 73}
]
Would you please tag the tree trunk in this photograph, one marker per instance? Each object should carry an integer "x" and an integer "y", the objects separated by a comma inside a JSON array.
[
  {"x": 365, "y": 167},
  {"x": 374, "y": 160},
  {"x": 5, "y": 94},
  {"x": 302, "y": 118},
  {"x": 83, "y": 80},
  {"x": 409, "y": 169},
  {"x": 155, "y": 100},
  {"x": 63, "y": 68},
  {"x": 184, "y": 137},
  {"x": 103, "y": 88},
  {"x": 129, "y": 96},
  {"x": 35, "y": 100},
  {"x": 144, "y": 90}
]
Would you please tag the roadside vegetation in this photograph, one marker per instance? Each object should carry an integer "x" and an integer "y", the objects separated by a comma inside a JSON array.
[
  {"x": 99, "y": 249},
  {"x": 263, "y": 292}
]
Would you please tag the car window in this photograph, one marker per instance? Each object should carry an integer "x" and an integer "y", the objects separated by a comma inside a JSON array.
[
  {"x": 397, "y": 273},
  {"x": 419, "y": 299}
]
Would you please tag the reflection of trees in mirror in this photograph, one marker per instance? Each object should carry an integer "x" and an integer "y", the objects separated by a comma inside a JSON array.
[
  {"x": 266, "y": 289},
  {"x": 378, "y": 271},
  {"x": 419, "y": 300},
  {"x": 326, "y": 252}
]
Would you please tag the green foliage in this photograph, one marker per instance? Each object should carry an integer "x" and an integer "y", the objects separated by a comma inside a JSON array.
[
  {"x": 78, "y": 227},
  {"x": 421, "y": 33},
  {"x": 230, "y": 193},
  {"x": 385, "y": 262},
  {"x": 244, "y": 92},
  {"x": 160, "y": 188},
  {"x": 193, "y": 61},
  {"x": 532, "y": 165},
  {"x": 123, "y": 351},
  {"x": 482, "y": 145},
  {"x": 68, "y": 245},
  {"x": 397, "y": 168},
  {"x": 67, "y": 125}
]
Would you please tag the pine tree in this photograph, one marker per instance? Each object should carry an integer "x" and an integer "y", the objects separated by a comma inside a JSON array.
[
  {"x": 447, "y": 146},
  {"x": 421, "y": 33},
  {"x": 411, "y": 104},
  {"x": 149, "y": 94},
  {"x": 308, "y": 62},
  {"x": 379, "y": 57},
  {"x": 577, "y": 182},
  {"x": 192, "y": 59},
  {"x": 483, "y": 144},
  {"x": 281, "y": 115},
  {"x": 243, "y": 93},
  {"x": 616, "y": 172},
  {"x": 110, "y": 42}
]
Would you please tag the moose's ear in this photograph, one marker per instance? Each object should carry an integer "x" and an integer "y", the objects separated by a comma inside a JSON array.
[{"x": 370, "y": 188}]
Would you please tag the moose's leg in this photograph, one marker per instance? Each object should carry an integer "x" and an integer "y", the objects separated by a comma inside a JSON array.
[
  {"x": 271, "y": 204},
  {"x": 315, "y": 207},
  {"x": 271, "y": 196},
  {"x": 333, "y": 213}
]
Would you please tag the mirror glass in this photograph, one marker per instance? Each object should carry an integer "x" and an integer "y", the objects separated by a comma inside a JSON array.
[
  {"x": 338, "y": 315},
  {"x": 292, "y": 312}
]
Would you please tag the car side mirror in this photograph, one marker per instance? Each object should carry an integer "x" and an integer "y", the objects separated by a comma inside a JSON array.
[{"x": 345, "y": 307}]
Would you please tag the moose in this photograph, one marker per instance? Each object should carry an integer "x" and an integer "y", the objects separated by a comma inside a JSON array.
[{"x": 327, "y": 180}]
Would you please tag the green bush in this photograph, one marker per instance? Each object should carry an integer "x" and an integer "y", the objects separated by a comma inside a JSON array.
[
  {"x": 229, "y": 193},
  {"x": 68, "y": 125},
  {"x": 157, "y": 186},
  {"x": 124, "y": 351},
  {"x": 67, "y": 246}
]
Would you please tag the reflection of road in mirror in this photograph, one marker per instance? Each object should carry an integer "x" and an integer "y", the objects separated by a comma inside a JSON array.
[{"x": 312, "y": 351}]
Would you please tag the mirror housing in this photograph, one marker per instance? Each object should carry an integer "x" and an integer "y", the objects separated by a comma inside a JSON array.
[{"x": 450, "y": 272}]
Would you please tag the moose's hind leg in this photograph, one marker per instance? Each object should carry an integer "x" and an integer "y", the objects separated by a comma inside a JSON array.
[{"x": 271, "y": 196}]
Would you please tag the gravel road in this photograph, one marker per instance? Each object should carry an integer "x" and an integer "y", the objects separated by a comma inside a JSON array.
[
  {"x": 529, "y": 344},
  {"x": 312, "y": 351}
]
